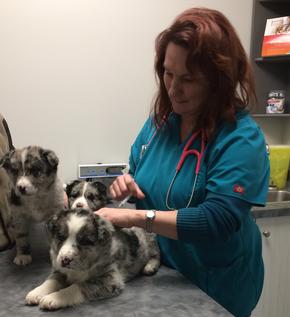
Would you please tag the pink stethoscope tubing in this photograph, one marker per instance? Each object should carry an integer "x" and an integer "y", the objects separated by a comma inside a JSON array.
[{"x": 185, "y": 153}]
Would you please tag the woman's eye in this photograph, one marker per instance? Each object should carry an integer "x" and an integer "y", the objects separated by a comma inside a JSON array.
[
  {"x": 168, "y": 74},
  {"x": 188, "y": 79}
]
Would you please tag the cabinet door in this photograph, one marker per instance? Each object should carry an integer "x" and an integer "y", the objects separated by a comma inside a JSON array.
[{"x": 275, "y": 299}]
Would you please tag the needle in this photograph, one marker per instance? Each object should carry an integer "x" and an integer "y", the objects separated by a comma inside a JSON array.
[{"x": 123, "y": 202}]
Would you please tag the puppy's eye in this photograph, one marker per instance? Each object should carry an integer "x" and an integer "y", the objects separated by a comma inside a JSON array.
[
  {"x": 60, "y": 236},
  {"x": 91, "y": 196},
  {"x": 13, "y": 170},
  {"x": 74, "y": 195},
  {"x": 35, "y": 171},
  {"x": 85, "y": 240}
]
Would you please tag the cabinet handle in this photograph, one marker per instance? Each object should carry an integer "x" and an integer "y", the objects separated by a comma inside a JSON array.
[{"x": 266, "y": 234}]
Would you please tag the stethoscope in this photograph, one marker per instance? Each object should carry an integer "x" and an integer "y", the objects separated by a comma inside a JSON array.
[{"x": 185, "y": 153}]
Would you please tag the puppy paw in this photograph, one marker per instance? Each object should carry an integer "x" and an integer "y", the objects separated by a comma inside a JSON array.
[
  {"x": 22, "y": 259},
  {"x": 65, "y": 297},
  {"x": 151, "y": 267},
  {"x": 34, "y": 297},
  {"x": 47, "y": 287},
  {"x": 52, "y": 302}
]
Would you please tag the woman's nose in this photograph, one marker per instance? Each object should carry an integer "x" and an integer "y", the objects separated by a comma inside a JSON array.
[{"x": 175, "y": 87}]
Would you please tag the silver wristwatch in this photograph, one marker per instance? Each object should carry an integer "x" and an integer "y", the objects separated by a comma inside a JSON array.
[{"x": 150, "y": 215}]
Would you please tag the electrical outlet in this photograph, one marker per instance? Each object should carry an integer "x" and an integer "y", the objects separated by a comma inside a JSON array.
[{"x": 101, "y": 170}]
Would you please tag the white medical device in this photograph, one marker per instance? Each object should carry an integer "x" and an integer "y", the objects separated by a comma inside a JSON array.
[{"x": 101, "y": 170}]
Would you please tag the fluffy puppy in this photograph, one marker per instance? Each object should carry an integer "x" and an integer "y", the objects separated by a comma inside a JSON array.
[
  {"x": 87, "y": 195},
  {"x": 91, "y": 259},
  {"x": 35, "y": 195}
]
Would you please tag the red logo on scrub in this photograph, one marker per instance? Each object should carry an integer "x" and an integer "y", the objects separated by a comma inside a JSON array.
[{"x": 239, "y": 189}]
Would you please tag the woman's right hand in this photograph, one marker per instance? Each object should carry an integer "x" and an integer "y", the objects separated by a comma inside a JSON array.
[{"x": 124, "y": 186}]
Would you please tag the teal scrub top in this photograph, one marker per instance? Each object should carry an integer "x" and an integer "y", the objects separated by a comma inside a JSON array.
[{"x": 235, "y": 164}]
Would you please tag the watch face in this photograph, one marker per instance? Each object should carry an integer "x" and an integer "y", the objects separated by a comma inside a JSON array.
[{"x": 150, "y": 214}]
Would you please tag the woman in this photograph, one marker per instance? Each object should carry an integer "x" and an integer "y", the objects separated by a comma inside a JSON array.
[{"x": 201, "y": 213}]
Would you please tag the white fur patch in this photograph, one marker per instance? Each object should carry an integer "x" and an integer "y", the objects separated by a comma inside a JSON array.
[
  {"x": 68, "y": 249},
  {"x": 69, "y": 296},
  {"x": 24, "y": 181},
  {"x": 49, "y": 286},
  {"x": 23, "y": 157}
]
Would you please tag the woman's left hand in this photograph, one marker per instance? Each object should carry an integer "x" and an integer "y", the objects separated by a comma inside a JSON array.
[{"x": 124, "y": 218}]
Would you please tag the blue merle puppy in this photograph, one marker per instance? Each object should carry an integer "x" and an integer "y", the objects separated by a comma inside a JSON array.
[
  {"x": 35, "y": 195},
  {"x": 91, "y": 258}
]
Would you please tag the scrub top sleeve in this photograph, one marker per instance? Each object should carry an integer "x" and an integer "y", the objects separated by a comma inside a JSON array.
[
  {"x": 218, "y": 218},
  {"x": 238, "y": 165},
  {"x": 136, "y": 148}
]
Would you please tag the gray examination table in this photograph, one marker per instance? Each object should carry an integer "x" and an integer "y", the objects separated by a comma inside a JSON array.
[{"x": 165, "y": 294}]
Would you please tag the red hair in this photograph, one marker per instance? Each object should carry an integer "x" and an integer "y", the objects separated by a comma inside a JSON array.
[{"x": 215, "y": 48}]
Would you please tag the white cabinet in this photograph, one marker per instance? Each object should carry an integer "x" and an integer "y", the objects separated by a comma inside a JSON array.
[{"x": 275, "y": 299}]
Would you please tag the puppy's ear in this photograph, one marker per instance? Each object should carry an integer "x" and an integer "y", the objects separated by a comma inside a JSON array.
[
  {"x": 5, "y": 160},
  {"x": 104, "y": 229},
  {"x": 51, "y": 224},
  {"x": 70, "y": 186},
  {"x": 102, "y": 189},
  {"x": 50, "y": 158}
]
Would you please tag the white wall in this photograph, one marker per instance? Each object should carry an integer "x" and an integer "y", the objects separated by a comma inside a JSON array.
[{"x": 76, "y": 76}]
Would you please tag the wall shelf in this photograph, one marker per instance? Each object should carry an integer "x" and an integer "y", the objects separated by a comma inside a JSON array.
[
  {"x": 273, "y": 72},
  {"x": 273, "y": 59},
  {"x": 271, "y": 115},
  {"x": 273, "y": 1}
]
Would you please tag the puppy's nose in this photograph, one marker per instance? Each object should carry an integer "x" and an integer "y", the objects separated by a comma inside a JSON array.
[
  {"x": 22, "y": 189},
  {"x": 80, "y": 205},
  {"x": 66, "y": 261}
]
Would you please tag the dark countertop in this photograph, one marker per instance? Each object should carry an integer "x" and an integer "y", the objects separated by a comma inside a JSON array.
[
  {"x": 165, "y": 294},
  {"x": 274, "y": 209}
]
